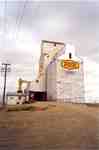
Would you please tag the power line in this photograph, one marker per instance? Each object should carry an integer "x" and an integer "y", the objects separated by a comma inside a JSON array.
[
  {"x": 5, "y": 19},
  {"x": 19, "y": 19}
]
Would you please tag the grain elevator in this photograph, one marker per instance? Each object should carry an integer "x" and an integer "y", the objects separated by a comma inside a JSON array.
[{"x": 61, "y": 73}]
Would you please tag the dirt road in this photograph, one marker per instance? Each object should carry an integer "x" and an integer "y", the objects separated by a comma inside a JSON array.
[{"x": 60, "y": 127}]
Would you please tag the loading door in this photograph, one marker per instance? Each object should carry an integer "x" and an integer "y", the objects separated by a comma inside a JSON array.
[{"x": 37, "y": 96}]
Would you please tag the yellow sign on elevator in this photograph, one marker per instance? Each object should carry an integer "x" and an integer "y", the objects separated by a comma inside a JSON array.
[{"x": 70, "y": 64}]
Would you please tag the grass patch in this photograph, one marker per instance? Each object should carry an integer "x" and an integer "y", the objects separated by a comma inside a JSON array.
[{"x": 26, "y": 108}]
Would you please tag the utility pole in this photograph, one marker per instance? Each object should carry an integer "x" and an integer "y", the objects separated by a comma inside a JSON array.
[{"x": 5, "y": 69}]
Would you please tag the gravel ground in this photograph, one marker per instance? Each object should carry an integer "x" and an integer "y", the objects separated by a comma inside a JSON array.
[{"x": 60, "y": 127}]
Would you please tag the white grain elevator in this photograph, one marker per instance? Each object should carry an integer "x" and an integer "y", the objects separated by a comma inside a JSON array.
[{"x": 61, "y": 73}]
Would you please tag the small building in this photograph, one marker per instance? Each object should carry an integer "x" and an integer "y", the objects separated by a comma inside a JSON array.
[{"x": 12, "y": 98}]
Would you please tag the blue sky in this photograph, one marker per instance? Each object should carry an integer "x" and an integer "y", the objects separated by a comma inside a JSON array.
[{"x": 23, "y": 24}]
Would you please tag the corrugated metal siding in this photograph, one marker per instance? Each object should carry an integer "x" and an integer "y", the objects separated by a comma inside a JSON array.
[
  {"x": 51, "y": 81},
  {"x": 65, "y": 86},
  {"x": 70, "y": 85}
]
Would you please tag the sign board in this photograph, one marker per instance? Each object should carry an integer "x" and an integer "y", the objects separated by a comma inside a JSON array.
[{"x": 70, "y": 64}]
